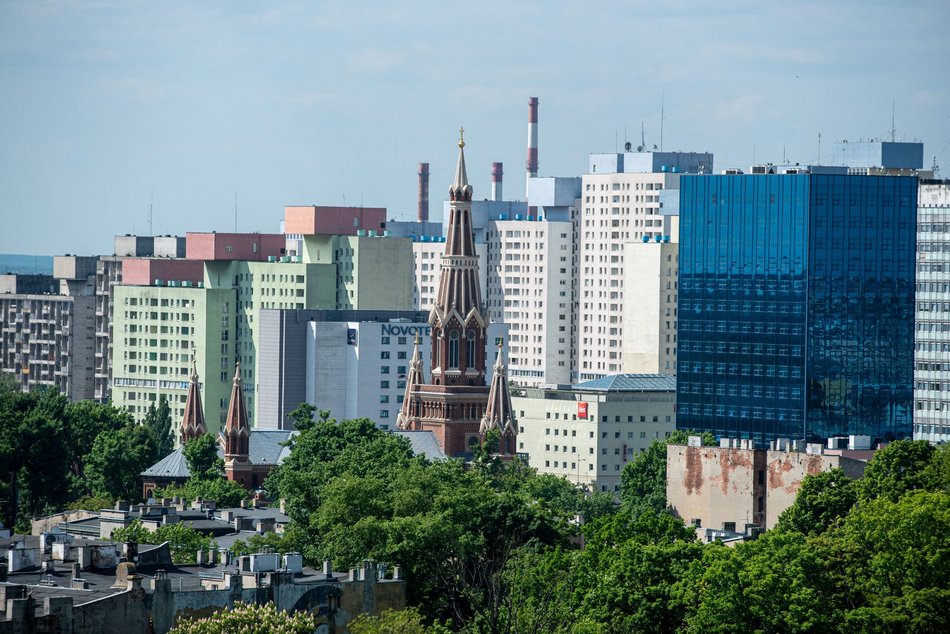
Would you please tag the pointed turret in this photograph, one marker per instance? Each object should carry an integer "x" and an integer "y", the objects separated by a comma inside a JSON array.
[
  {"x": 236, "y": 428},
  {"x": 193, "y": 421},
  {"x": 457, "y": 318},
  {"x": 414, "y": 378},
  {"x": 460, "y": 189},
  {"x": 499, "y": 413}
]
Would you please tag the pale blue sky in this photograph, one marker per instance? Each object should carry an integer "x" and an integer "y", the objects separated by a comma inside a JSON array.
[{"x": 103, "y": 102}]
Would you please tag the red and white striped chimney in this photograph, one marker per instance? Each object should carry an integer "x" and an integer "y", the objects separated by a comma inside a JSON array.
[
  {"x": 532, "y": 163},
  {"x": 496, "y": 173},
  {"x": 423, "y": 213}
]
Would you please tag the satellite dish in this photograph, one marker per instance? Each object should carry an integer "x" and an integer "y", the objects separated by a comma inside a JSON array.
[{"x": 627, "y": 146}]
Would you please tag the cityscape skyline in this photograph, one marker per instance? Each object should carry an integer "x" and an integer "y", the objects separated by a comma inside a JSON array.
[{"x": 199, "y": 111}]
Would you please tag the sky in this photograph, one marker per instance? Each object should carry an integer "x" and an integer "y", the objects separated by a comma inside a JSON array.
[{"x": 196, "y": 109}]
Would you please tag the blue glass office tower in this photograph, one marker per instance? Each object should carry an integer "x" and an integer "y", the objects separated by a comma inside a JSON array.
[{"x": 796, "y": 305}]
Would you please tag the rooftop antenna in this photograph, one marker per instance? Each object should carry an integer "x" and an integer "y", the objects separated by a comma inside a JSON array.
[
  {"x": 662, "y": 115},
  {"x": 784, "y": 157},
  {"x": 893, "y": 127},
  {"x": 934, "y": 167},
  {"x": 819, "y": 147},
  {"x": 643, "y": 140}
]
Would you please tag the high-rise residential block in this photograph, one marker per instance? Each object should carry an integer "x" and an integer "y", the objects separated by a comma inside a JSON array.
[
  {"x": 626, "y": 197},
  {"x": 796, "y": 305},
  {"x": 651, "y": 275},
  {"x": 932, "y": 346}
]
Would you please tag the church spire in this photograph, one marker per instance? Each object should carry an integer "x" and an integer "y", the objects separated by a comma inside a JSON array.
[
  {"x": 193, "y": 420},
  {"x": 236, "y": 428},
  {"x": 460, "y": 189},
  {"x": 499, "y": 413},
  {"x": 413, "y": 379}
]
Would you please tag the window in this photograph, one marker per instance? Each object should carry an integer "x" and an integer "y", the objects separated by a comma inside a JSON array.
[
  {"x": 384, "y": 385},
  {"x": 384, "y": 413},
  {"x": 470, "y": 352},
  {"x": 384, "y": 354},
  {"x": 454, "y": 349},
  {"x": 384, "y": 369},
  {"x": 384, "y": 398}
]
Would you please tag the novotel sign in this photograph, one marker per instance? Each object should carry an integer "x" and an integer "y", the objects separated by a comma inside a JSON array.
[{"x": 402, "y": 331}]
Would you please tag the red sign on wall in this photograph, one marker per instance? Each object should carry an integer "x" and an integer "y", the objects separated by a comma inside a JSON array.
[{"x": 582, "y": 410}]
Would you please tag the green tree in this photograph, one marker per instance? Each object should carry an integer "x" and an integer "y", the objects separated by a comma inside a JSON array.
[
  {"x": 250, "y": 619},
  {"x": 183, "y": 542},
  {"x": 201, "y": 453},
  {"x": 116, "y": 460},
  {"x": 643, "y": 479},
  {"x": 823, "y": 500},
  {"x": 159, "y": 420},
  {"x": 406, "y": 621},
  {"x": 900, "y": 467},
  {"x": 34, "y": 457},
  {"x": 303, "y": 416},
  {"x": 219, "y": 489},
  {"x": 83, "y": 422}
]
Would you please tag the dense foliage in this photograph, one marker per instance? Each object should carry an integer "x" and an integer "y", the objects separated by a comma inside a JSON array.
[
  {"x": 207, "y": 479},
  {"x": 183, "y": 542},
  {"x": 250, "y": 619},
  {"x": 494, "y": 547},
  {"x": 53, "y": 451}
]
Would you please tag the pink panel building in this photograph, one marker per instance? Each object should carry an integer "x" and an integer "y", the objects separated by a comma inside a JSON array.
[
  {"x": 233, "y": 246},
  {"x": 313, "y": 220},
  {"x": 144, "y": 271}
]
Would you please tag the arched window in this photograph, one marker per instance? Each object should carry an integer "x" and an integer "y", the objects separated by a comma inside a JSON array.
[
  {"x": 470, "y": 353},
  {"x": 454, "y": 349}
]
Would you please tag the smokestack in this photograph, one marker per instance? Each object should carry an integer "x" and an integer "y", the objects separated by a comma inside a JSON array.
[
  {"x": 532, "y": 163},
  {"x": 423, "y": 192},
  {"x": 496, "y": 173}
]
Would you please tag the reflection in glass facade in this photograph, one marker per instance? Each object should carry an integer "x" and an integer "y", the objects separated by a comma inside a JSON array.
[{"x": 796, "y": 305}]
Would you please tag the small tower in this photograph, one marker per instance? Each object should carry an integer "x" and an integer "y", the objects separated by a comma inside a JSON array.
[
  {"x": 414, "y": 378},
  {"x": 499, "y": 413},
  {"x": 237, "y": 434},
  {"x": 193, "y": 421}
]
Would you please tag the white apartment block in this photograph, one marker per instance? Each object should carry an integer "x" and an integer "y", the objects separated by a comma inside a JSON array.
[
  {"x": 932, "y": 339},
  {"x": 427, "y": 254},
  {"x": 623, "y": 198},
  {"x": 530, "y": 288},
  {"x": 587, "y": 434},
  {"x": 649, "y": 307}
]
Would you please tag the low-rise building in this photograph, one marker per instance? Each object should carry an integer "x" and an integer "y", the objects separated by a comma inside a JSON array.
[
  {"x": 735, "y": 486},
  {"x": 588, "y": 433}
]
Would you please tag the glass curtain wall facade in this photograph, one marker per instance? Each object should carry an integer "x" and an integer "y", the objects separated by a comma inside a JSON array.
[{"x": 796, "y": 305}]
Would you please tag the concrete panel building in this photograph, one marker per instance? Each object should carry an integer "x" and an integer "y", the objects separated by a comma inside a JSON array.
[
  {"x": 156, "y": 331},
  {"x": 254, "y": 247},
  {"x": 650, "y": 271},
  {"x": 623, "y": 196},
  {"x": 48, "y": 340},
  {"x": 734, "y": 486},
  {"x": 426, "y": 263},
  {"x": 588, "y": 433},
  {"x": 530, "y": 285},
  {"x": 932, "y": 332}
]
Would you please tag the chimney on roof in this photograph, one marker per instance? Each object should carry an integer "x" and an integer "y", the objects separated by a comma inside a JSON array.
[{"x": 423, "y": 211}]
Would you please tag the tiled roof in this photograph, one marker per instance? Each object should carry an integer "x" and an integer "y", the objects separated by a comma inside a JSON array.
[
  {"x": 423, "y": 443},
  {"x": 630, "y": 383}
]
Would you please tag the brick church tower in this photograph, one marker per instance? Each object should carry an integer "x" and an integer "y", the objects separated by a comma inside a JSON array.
[{"x": 454, "y": 402}]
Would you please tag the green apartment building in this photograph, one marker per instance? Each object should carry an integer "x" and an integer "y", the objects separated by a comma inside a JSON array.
[{"x": 160, "y": 323}]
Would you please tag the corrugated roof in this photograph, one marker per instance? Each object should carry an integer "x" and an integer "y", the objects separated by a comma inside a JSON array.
[
  {"x": 423, "y": 443},
  {"x": 630, "y": 383}
]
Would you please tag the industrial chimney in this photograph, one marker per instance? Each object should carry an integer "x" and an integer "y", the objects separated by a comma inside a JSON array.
[
  {"x": 532, "y": 163},
  {"x": 496, "y": 173},
  {"x": 423, "y": 212}
]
